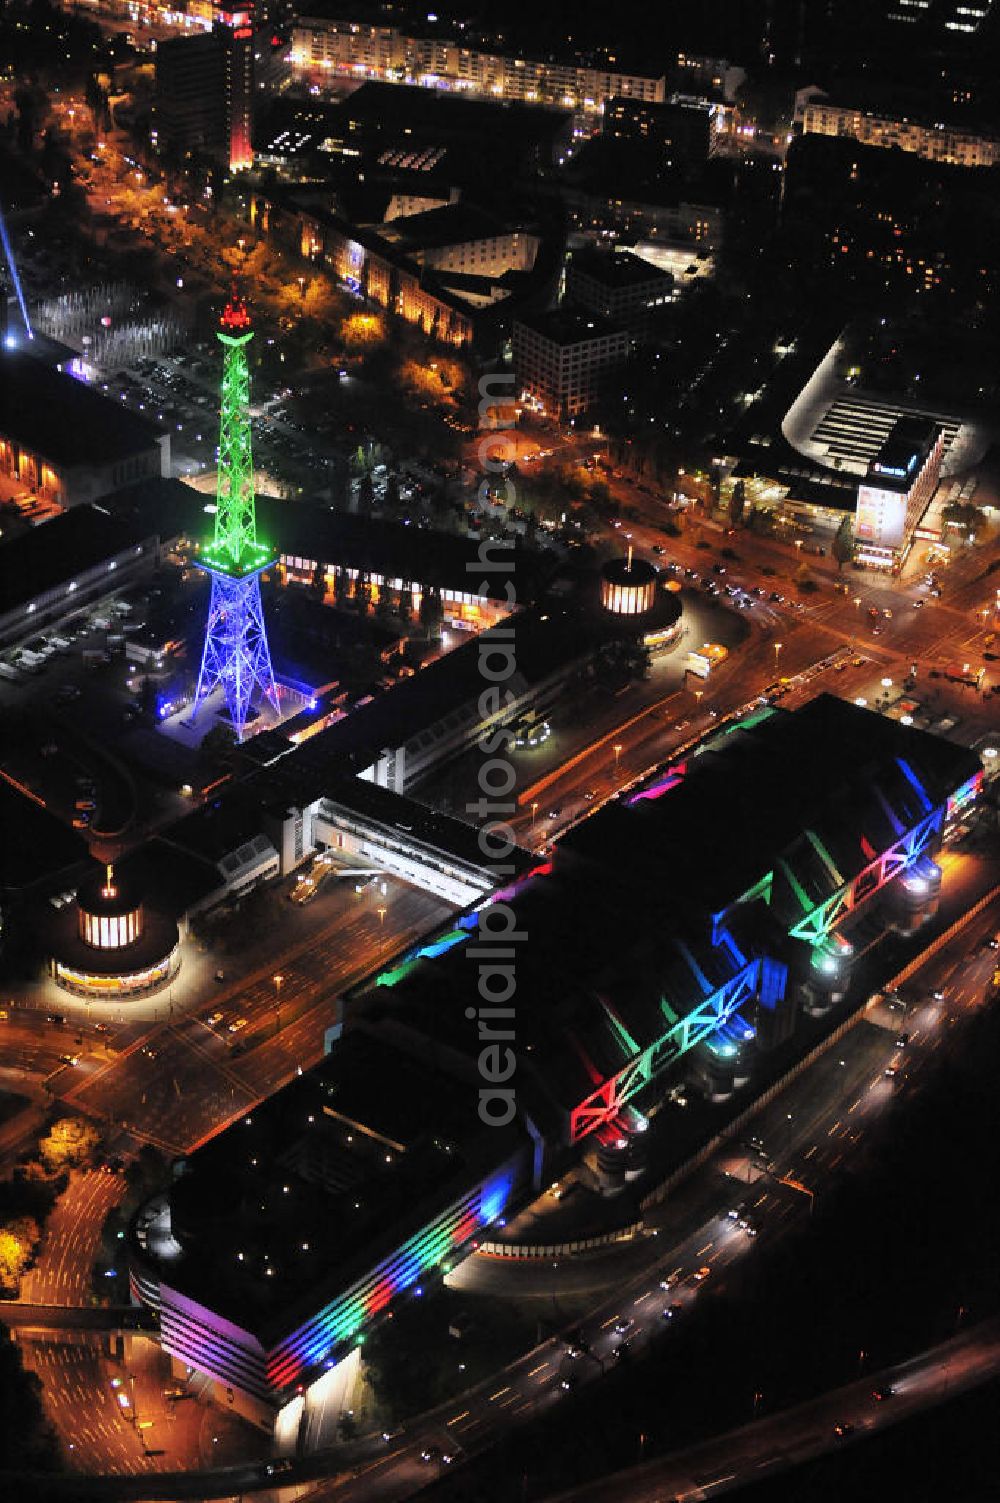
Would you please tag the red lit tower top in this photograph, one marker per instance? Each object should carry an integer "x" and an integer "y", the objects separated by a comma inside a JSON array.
[{"x": 235, "y": 315}]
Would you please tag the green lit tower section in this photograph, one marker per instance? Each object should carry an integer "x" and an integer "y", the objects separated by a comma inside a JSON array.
[{"x": 236, "y": 656}]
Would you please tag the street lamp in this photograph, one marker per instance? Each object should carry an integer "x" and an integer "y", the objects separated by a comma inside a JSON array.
[
  {"x": 381, "y": 928},
  {"x": 618, "y": 752},
  {"x": 777, "y": 648},
  {"x": 277, "y": 1001}
]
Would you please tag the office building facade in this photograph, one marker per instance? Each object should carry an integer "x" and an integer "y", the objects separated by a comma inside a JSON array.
[
  {"x": 620, "y": 286},
  {"x": 896, "y": 492},
  {"x": 561, "y": 358}
]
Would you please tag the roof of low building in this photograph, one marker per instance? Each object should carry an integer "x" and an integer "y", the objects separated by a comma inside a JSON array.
[
  {"x": 625, "y": 571},
  {"x": 37, "y": 848},
  {"x": 322, "y": 1180},
  {"x": 452, "y": 224},
  {"x": 568, "y": 326},
  {"x": 901, "y": 457},
  {"x": 61, "y": 549},
  {"x": 417, "y": 822},
  {"x": 393, "y": 107},
  {"x": 540, "y": 644},
  {"x": 618, "y": 268},
  {"x": 64, "y": 420},
  {"x": 315, "y": 531}
]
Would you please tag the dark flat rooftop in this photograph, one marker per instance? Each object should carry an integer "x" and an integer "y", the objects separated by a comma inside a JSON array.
[
  {"x": 390, "y": 107},
  {"x": 36, "y": 846},
  {"x": 309, "y": 529},
  {"x": 452, "y": 224},
  {"x": 906, "y": 447},
  {"x": 542, "y": 644},
  {"x": 567, "y": 325},
  {"x": 322, "y": 1180},
  {"x": 61, "y": 548},
  {"x": 618, "y": 268},
  {"x": 64, "y": 420}
]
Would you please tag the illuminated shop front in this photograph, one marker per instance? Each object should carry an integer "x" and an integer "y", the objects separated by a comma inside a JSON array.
[
  {"x": 341, "y": 581},
  {"x": 117, "y": 947}
]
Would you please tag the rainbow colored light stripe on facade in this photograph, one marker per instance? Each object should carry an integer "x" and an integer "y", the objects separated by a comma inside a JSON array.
[
  {"x": 211, "y": 1344},
  {"x": 519, "y": 884},
  {"x": 343, "y": 1320},
  {"x": 429, "y": 951}
]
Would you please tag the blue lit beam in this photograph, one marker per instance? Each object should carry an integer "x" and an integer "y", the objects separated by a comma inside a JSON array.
[{"x": 15, "y": 276}]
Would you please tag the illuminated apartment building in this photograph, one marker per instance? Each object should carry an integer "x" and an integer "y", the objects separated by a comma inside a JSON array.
[
  {"x": 323, "y": 45},
  {"x": 947, "y": 144}
]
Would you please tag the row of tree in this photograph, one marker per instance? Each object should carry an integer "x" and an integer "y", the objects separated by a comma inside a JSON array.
[{"x": 29, "y": 1195}]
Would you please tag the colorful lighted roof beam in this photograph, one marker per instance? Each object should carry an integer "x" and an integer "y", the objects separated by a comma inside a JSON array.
[
  {"x": 745, "y": 722},
  {"x": 817, "y": 922},
  {"x": 519, "y": 884},
  {"x": 965, "y": 795},
  {"x": 464, "y": 925},
  {"x": 672, "y": 778},
  {"x": 236, "y": 656},
  {"x": 683, "y": 1033},
  {"x": 820, "y": 919},
  {"x": 914, "y": 783},
  {"x": 430, "y": 951}
]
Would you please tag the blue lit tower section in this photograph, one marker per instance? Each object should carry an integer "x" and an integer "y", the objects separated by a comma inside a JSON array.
[{"x": 236, "y": 656}]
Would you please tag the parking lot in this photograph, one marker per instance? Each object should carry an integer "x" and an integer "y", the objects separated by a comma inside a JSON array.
[
  {"x": 73, "y": 686},
  {"x": 180, "y": 393}
]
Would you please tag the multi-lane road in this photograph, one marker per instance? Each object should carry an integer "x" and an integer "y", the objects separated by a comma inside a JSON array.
[
  {"x": 782, "y": 1441},
  {"x": 63, "y": 1269},
  {"x": 180, "y": 1082}
]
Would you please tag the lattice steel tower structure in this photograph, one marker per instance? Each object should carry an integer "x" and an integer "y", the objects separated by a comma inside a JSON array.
[{"x": 236, "y": 654}]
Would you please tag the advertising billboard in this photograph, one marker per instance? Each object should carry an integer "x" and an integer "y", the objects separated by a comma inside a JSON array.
[{"x": 880, "y": 517}]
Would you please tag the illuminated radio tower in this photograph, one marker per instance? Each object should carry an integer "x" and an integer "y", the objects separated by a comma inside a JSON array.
[{"x": 236, "y": 653}]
